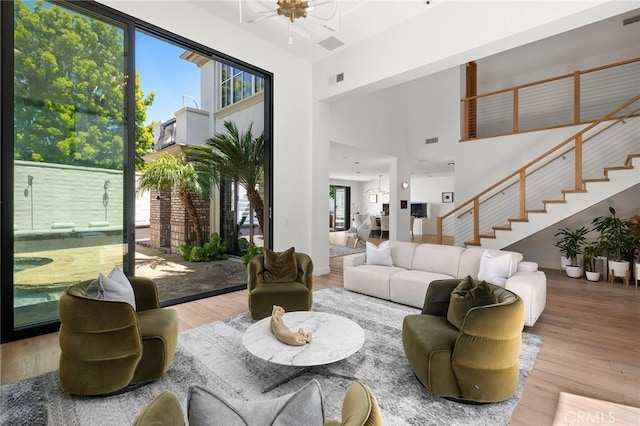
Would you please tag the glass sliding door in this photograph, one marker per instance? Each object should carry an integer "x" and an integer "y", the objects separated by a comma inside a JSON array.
[{"x": 69, "y": 149}]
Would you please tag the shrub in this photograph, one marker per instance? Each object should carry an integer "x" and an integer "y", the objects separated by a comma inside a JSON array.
[
  {"x": 252, "y": 250},
  {"x": 213, "y": 250}
]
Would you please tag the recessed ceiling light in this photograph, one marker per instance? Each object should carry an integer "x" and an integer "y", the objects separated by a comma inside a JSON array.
[
  {"x": 356, "y": 162},
  {"x": 451, "y": 163}
]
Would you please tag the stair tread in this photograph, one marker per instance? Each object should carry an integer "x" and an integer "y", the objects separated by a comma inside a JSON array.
[
  {"x": 605, "y": 179},
  {"x": 502, "y": 228},
  {"x": 554, "y": 201},
  {"x": 536, "y": 211},
  {"x": 518, "y": 220},
  {"x": 492, "y": 236},
  {"x": 573, "y": 191}
]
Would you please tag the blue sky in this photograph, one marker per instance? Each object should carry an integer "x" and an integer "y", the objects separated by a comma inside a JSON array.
[{"x": 163, "y": 72}]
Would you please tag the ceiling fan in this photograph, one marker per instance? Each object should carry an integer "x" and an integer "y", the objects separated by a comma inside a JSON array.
[{"x": 321, "y": 12}]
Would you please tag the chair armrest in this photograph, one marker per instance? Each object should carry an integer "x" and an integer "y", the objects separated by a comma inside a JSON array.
[
  {"x": 305, "y": 269},
  {"x": 255, "y": 269},
  {"x": 146, "y": 293},
  {"x": 356, "y": 259},
  {"x": 496, "y": 322},
  {"x": 438, "y": 296}
]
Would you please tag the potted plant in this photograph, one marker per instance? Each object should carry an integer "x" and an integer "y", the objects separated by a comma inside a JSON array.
[
  {"x": 618, "y": 239},
  {"x": 589, "y": 254},
  {"x": 570, "y": 245}
]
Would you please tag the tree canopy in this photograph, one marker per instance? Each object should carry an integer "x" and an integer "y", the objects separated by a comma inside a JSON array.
[{"x": 70, "y": 89}]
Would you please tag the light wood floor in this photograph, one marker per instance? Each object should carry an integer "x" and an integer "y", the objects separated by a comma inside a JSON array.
[{"x": 591, "y": 342}]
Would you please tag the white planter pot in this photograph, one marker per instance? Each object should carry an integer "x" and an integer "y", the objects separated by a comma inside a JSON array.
[
  {"x": 564, "y": 261},
  {"x": 574, "y": 271},
  {"x": 620, "y": 269},
  {"x": 593, "y": 276}
]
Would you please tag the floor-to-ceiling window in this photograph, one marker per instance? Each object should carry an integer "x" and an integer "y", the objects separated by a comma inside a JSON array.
[
  {"x": 70, "y": 142},
  {"x": 68, "y": 146}
]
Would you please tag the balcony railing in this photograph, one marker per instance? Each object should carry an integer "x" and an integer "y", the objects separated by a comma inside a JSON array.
[{"x": 577, "y": 98}]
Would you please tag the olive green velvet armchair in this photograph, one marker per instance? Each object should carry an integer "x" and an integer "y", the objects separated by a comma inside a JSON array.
[
  {"x": 476, "y": 361},
  {"x": 107, "y": 345},
  {"x": 293, "y": 295}
]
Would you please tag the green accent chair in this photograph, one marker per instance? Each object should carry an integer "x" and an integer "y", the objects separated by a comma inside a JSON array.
[
  {"x": 108, "y": 345},
  {"x": 292, "y": 295},
  {"x": 477, "y": 362}
]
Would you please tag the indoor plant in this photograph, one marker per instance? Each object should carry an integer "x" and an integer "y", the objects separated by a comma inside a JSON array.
[
  {"x": 570, "y": 245},
  {"x": 590, "y": 251},
  {"x": 618, "y": 239}
]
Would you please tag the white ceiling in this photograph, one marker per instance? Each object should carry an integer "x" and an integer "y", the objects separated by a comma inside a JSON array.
[{"x": 355, "y": 21}]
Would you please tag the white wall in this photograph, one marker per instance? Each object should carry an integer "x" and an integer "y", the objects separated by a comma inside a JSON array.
[
  {"x": 375, "y": 122},
  {"x": 460, "y": 32},
  {"x": 429, "y": 190},
  {"x": 597, "y": 44},
  {"x": 433, "y": 110}
]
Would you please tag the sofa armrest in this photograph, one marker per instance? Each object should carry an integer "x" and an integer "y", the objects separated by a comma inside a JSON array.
[
  {"x": 146, "y": 293},
  {"x": 532, "y": 289},
  {"x": 527, "y": 267},
  {"x": 356, "y": 259},
  {"x": 438, "y": 296}
]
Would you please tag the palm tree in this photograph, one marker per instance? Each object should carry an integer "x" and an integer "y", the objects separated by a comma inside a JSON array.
[
  {"x": 176, "y": 173},
  {"x": 236, "y": 157}
]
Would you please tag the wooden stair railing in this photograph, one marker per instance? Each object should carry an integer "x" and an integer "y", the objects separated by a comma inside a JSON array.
[{"x": 519, "y": 177}]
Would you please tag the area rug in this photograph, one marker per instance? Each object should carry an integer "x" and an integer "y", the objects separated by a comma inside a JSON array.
[
  {"x": 336, "y": 250},
  {"x": 213, "y": 356}
]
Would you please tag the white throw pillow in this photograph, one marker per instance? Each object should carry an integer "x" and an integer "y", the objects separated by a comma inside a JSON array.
[
  {"x": 379, "y": 255},
  {"x": 494, "y": 269},
  {"x": 114, "y": 288}
]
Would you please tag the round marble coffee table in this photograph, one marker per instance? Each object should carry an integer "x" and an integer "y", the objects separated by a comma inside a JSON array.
[{"x": 333, "y": 338}]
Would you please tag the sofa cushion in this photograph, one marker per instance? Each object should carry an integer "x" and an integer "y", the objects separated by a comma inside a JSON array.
[
  {"x": 370, "y": 279},
  {"x": 402, "y": 253},
  {"x": 437, "y": 258},
  {"x": 467, "y": 295},
  {"x": 379, "y": 255},
  {"x": 113, "y": 288},
  {"x": 410, "y": 287},
  {"x": 280, "y": 267},
  {"x": 303, "y": 407},
  {"x": 496, "y": 268}
]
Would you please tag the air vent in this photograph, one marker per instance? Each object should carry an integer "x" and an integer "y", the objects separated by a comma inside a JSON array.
[
  {"x": 330, "y": 43},
  {"x": 431, "y": 140},
  {"x": 339, "y": 77},
  {"x": 631, "y": 20}
]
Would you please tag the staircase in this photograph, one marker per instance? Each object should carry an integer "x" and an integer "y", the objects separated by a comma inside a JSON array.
[
  {"x": 596, "y": 163},
  {"x": 616, "y": 179}
]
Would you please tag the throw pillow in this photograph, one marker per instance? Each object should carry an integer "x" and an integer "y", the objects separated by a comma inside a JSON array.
[
  {"x": 280, "y": 267},
  {"x": 468, "y": 294},
  {"x": 303, "y": 407},
  {"x": 114, "y": 288},
  {"x": 495, "y": 269},
  {"x": 379, "y": 255}
]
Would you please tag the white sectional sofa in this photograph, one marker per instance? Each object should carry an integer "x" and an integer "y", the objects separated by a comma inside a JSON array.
[{"x": 415, "y": 266}]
